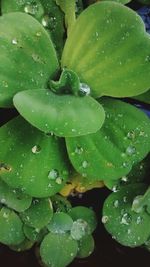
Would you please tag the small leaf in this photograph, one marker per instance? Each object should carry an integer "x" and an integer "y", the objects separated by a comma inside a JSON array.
[
  {"x": 86, "y": 246},
  {"x": 127, "y": 227},
  {"x": 14, "y": 198},
  {"x": 32, "y": 161},
  {"x": 27, "y": 53},
  {"x": 39, "y": 214},
  {"x": 104, "y": 53},
  {"x": 58, "y": 250},
  {"x": 60, "y": 203},
  {"x": 64, "y": 115},
  {"x": 34, "y": 234},
  {"x": 109, "y": 154},
  {"x": 11, "y": 232},
  {"x": 60, "y": 223},
  {"x": 85, "y": 214}
]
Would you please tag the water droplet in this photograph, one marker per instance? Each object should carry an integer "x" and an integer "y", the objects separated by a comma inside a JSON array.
[
  {"x": 58, "y": 180},
  {"x": 125, "y": 164},
  {"x": 14, "y": 41},
  {"x": 126, "y": 219},
  {"x": 129, "y": 231},
  {"x": 79, "y": 229},
  {"x": 131, "y": 135},
  {"x": 38, "y": 34},
  {"x": 84, "y": 89},
  {"x": 31, "y": 8},
  {"x": 130, "y": 150},
  {"x": 3, "y": 201},
  {"x": 136, "y": 205},
  {"x": 105, "y": 219},
  {"x": 124, "y": 178},
  {"x": 53, "y": 174},
  {"x": 84, "y": 164},
  {"x": 115, "y": 188},
  {"x": 5, "y": 84},
  {"x": 78, "y": 150},
  {"x": 141, "y": 133},
  {"x": 49, "y": 21},
  {"x": 5, "y": 215},
  {"x": 147, "y": 59},
  {"x": 124, "y": 199},
  {"x": 116, "y": 203},
  {"x": 36, "y": 149},
  {"x": 139, "y": 220}
]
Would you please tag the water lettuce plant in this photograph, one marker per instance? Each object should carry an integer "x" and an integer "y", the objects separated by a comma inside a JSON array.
[{"x": 68, "y": 70}]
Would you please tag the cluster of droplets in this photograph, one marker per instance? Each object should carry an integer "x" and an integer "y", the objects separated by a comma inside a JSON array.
[{"x": 53, "y": 175}]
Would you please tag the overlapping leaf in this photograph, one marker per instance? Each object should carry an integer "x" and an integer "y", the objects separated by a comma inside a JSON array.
[
  {"x": 109, "y": 154},
  {"x": 64, "y": 115},
  {"x": 104, "y": 53},
  {"x": 27, "y": 56},
  {"x": 31, "y": 160}
]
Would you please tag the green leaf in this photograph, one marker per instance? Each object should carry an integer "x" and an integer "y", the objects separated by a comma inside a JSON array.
[
  {"x": 102, "y": 50},
  {"x": 14, "y": 198},
  {"x": 32, "y": 161},
  {"x": 64, "y": 115},
  {"x": 85, "y": 214},
  {"x": 58, "y": 250},
  {"x": 60, "y": 223},
  {"x": 11, "y": 232},
  {"x": 86, "y": 246},
  {"x": 109, "y": 154},
  {"x": 34, "y": 234},
  {"x": 127, "y": 227},
  {"x": 27, "y": 56},
  {"x": 138, "y": 174},
  {"x": 46, "y": 12},
  {"x": 144, "y": 97},
  {"x": 39, "y": 214},
  {"x": 60, "y": 203}
]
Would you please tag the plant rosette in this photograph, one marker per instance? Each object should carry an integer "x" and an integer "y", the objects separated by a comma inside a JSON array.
[{"x": 67, "y": 69}]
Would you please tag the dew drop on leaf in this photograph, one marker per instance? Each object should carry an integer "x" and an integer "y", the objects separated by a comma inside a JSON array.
[
  {"x": 126, "y": 219},
  {"x": 130, "y": 150},
  {"x": 31, "y": 8},
  {"x": 116, "y": 203},
  {"x": 84, "y": 164},
  {"x": 105, "y": 219},
  {"x": 139, "y": 220},
  {"x": 14, "y": 41},
  {"x": 84, "y": 89},
  {"x": 53, "y": 174},
  {"x": 36, "y": 149},
  {"x": 78, "y": 150}
]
